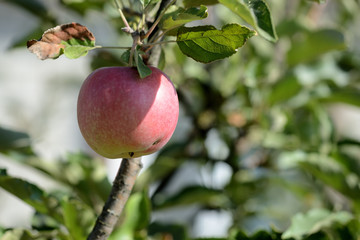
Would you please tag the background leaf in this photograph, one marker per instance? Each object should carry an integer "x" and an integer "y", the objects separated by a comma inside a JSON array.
[
  {"x": 31, "y": 194},
  {"x": 78, "y": 218},
  {"x": 182, "y": 16},
  {"x": 256, "y": 13},
  {"x": 348, "y": 96},
  {"x": 314, "y": 221},
  {"x": 314, "y": 44},
  {"x": 14, "y": 141},
  {"x": 284, "y": 90},
  {"x": 196, "y": 3},
  {"x": 194, "y": 195}
]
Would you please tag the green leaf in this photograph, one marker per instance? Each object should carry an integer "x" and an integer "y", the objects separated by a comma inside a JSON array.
[
  {"x": 75, "y": 48},
  {"x": 318, "y": 1},
  {"x": 256, "y": 13},
  {"x": 41, "y": 221},
  {"x": 333, "y": 173},
  {"x": 27, "y": 234},
  {"x": 125, "y": 57},
  {"x": 314, "y": 221},
  {"x": 314, "y": 44},
  {"x": 82, "y": 6},
  {"x": 146, "y": 3},
  {"x": 206, "y": 43},
  {"x": 349, "y": 96},
  {"x": 31, "y": 194},
  {"x": 159, "y": 170},
  {"x": 351, "y": 164},
  {"x": 22, "y": 234},
  {"x": 181, "y": 16},
  {"x": 311, "y": 124},
  {"x": 85, "y": 175},
  {"x": 193, "y": 195},
  {"x": 284, "y": 90},
  {"x": 143, "y": 70},
  {"x": 78, "y": 218},
  {"x": 176, "y": 231},
  {"x": 260, "y": 235},
  {"x": 14, "y": 141},
  {"x": 197, "y": 3},
  {"x": 36, "y": 7}
]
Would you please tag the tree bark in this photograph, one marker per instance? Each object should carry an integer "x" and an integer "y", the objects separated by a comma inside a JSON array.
[{"x": 120, "y": 192}]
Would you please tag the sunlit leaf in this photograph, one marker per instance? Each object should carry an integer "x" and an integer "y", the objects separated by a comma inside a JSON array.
[
  {"x": 206, "y": 43},
  {"x": 314, "y": 221},
  {"x": 75, "y": 48}
]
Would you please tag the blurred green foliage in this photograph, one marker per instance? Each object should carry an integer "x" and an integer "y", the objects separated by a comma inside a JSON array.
[{"x": 262, "y": 113}]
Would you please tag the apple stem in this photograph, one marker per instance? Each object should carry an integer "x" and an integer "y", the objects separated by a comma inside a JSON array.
[{"x": 120, "y": 192}]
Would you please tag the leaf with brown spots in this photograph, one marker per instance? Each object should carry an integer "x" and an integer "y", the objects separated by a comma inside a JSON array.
[{"x": 72, "y": 39}]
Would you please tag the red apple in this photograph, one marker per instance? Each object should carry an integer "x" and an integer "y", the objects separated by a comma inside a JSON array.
[{"x": 121, "y": 115}]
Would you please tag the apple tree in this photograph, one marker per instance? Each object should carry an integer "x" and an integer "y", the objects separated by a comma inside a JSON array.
[{"x": 256, "y": 90}]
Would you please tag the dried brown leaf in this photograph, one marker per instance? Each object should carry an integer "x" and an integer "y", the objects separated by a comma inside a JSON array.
[{"x": 51, "y": 44}]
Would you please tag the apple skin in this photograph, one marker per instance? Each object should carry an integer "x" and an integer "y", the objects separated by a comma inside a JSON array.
[{"x": 121, "y": 115}]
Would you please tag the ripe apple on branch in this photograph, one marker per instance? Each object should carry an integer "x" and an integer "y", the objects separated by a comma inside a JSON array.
[{"x": 121, "y": 115}]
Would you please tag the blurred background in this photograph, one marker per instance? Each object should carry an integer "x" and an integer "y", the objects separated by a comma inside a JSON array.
[{"x": 264, "y": 136}]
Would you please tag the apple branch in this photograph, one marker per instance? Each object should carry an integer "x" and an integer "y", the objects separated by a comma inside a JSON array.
[
  {"x": 158, "y": 19},
  {"x": 120, "y": 192},
  {"x": 127, "y": 28}
]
